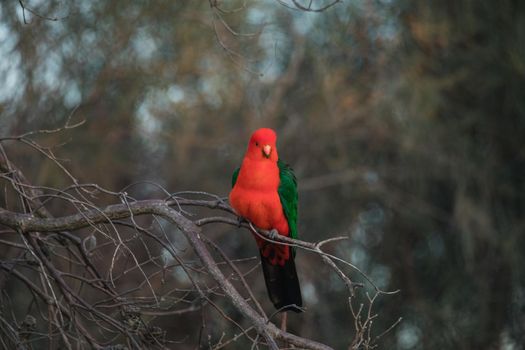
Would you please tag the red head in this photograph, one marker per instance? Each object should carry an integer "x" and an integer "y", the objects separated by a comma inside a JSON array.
[{"x": 262, "y": 145}]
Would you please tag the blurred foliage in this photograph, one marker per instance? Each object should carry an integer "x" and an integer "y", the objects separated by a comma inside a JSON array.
[{"x": 404, "y": 121}]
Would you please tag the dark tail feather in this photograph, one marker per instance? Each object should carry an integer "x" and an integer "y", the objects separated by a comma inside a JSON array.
[{"x": 283, "y": 285}]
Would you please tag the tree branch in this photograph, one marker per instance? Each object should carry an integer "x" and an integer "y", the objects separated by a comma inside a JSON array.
[{"x": 27, "y": 223}]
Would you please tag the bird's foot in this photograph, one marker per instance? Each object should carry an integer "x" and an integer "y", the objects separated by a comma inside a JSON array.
[
  {"x": 273, "y": 234},
  {"x": 240, "y": 220}
]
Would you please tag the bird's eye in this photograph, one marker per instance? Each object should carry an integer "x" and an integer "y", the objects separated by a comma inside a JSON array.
[{"x": 257, "y": 144}]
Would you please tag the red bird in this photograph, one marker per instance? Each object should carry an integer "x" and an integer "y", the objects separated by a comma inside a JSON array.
[{"x": 265, "y": 193}]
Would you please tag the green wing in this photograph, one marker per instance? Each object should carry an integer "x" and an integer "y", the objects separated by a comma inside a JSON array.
[
  {"x": 235, "y": 175},
  {"x": 288, "y": 196}
]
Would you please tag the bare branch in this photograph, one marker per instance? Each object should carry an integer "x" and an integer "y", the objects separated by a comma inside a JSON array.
[{"x": 84, "y": 263}]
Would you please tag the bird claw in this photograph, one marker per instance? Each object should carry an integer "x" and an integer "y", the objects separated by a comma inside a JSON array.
[
  {"x": 240, "y": 219},
  {"x": 273, "y": 233}
]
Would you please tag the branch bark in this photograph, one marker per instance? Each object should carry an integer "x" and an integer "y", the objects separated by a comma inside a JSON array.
[{"x": 26, "y": 223}]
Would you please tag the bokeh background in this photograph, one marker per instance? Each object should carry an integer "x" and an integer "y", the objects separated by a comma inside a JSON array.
[{"x": 404, "y": 121}]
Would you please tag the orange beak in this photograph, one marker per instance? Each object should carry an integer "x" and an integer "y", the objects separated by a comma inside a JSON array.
[{"x": 267, "y": 150}]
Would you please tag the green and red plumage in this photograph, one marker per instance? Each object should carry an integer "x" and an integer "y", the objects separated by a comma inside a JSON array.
[{"x": 265, "y": 192}]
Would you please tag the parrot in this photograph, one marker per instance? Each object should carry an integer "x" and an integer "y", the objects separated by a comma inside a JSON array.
[{"x": 264, "y": 192}]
